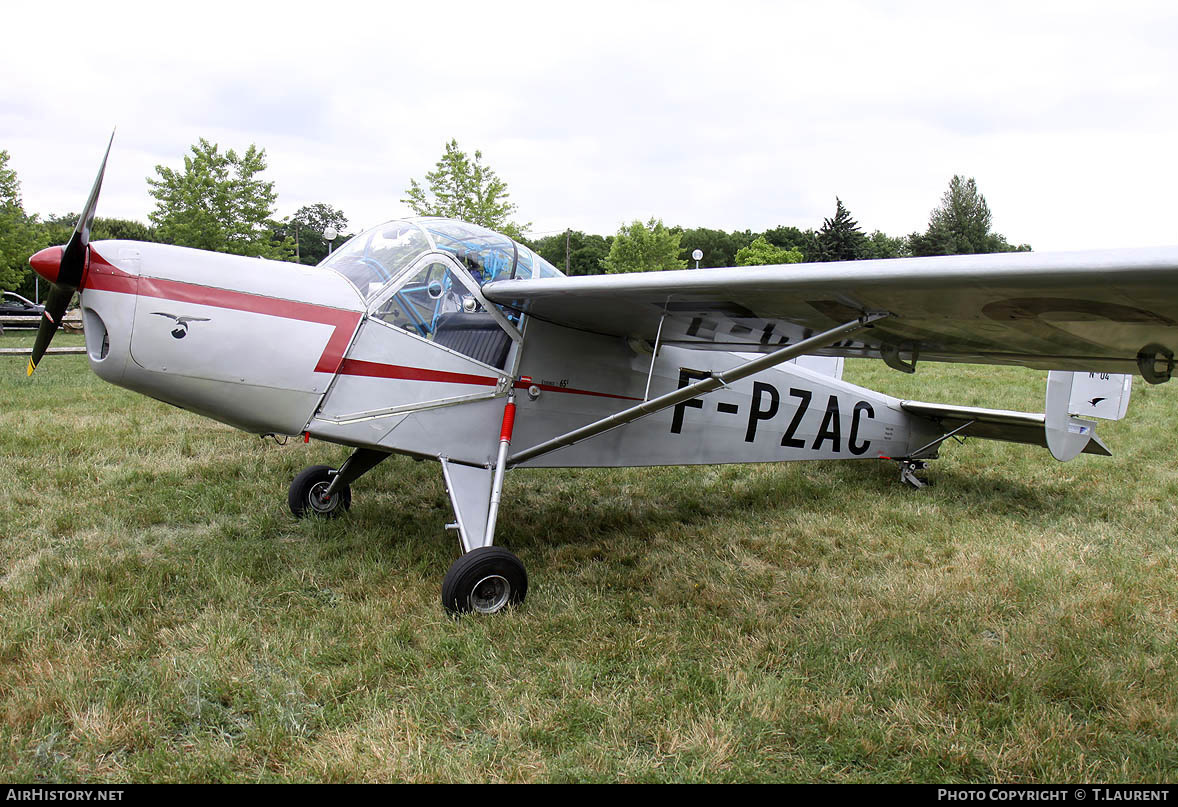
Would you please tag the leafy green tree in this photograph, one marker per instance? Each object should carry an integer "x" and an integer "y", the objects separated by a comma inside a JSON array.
[
  {"x": 840, "y": 238},
  {"x": 18, "y": 235},
  {"x": 218, "y": 202},
  {"x": 880, "y": 245},
  {"x": 584, "y": 253},
  {"x": 306, "y": 227},
  {"x": 718, "y": 246},
  {"x": 960, "y": 225},
  {"x": 804, "y": 241},
  {"x": 762, "y": 253},
  {"x": 465, "y": 189},
  {"x": 118, "y": 229},
  {"x": 642, "y": 247},
  {"x": 56, "y": 230}
]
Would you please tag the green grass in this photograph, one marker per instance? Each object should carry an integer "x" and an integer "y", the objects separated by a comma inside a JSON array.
[{"x": 163, "y": 618}]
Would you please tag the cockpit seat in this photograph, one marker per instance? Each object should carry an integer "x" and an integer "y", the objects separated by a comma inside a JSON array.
[{"x": 477, "y": 335}]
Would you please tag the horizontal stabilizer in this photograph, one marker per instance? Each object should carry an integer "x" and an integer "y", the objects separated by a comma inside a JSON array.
[{"x": 995, "y": 424}]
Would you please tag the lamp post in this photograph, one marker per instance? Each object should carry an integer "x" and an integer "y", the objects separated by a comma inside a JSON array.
[
  {"x": 697, "y": 255},
  {"x": 330, "y": 233}
]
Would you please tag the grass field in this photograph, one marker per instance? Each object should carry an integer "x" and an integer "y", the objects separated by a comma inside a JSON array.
[{"x": 163, "y": 618}]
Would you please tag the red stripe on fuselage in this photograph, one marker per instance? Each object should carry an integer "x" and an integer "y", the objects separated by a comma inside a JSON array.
[
  {"x": 106, "y": 277},
  {"x": 573, "y": 391},
  {"x": 343, "y": 322},
  {"x": 372, "y": 369}
]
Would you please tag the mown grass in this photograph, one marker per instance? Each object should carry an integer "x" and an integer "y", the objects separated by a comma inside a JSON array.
[{"x": 163, "y": 618}]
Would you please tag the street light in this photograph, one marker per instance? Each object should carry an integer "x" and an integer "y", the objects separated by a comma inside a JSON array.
[
  {"x": 330, "y": 233},
  {"x": 697, "y": 255}
]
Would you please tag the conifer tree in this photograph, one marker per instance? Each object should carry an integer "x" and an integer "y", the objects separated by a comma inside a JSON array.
[{"x": 840, "y": 238}]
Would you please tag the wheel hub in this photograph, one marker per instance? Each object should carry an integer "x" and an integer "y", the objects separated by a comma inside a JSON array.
[
  {"x": 319, "y": 500},
  {"x": 490, "y": 594}
]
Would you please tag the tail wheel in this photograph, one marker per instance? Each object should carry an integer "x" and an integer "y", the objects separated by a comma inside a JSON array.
[
  {"x": 307, "y": 494},
  {"x": 484, "y": 581}
]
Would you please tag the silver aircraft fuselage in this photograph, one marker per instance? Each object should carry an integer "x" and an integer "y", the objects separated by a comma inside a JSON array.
[{"x": 274, "y": 347}]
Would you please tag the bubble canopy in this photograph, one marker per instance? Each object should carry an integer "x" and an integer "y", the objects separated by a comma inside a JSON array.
[{"x": 373, "y": 258}]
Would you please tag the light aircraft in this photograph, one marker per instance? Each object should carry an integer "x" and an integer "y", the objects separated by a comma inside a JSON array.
[{"x": 446, "y": 341}]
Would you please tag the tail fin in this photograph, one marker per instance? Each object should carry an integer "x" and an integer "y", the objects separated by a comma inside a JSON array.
[{"x": 1102, "y": 395}]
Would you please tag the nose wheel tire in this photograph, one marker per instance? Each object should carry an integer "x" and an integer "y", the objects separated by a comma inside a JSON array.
[
  {"x": 484, "y": 581},
  {"x": 306, "y": 495}
]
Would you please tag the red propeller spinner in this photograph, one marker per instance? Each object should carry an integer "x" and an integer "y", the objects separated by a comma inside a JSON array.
[{"x": 47, "y": 263}]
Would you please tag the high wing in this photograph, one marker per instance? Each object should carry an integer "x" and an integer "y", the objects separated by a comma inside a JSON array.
[{"x": 1100, "y": 311}]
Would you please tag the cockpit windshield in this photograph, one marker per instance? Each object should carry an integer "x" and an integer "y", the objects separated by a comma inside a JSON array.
[{"x": 375, "y": 257}]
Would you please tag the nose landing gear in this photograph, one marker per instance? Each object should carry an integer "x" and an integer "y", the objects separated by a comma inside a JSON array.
[
  {"x": 309, "y": 496},
  {"x": 486, "y": 579}
]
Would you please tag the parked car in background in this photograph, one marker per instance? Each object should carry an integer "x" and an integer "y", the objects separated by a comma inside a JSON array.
[{"x": 13, "y": 305}]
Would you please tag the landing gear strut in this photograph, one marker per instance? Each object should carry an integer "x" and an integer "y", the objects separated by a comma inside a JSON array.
[
  {"x": 487, "y": 578},
  {"x": 908, "y": 471},
  {"x": 325, "y": 492}
]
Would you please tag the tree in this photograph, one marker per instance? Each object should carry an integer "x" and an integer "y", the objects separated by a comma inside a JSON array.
[
  {"x": 218, "y": 202},
  {"x": 56, "y": 230},
  {"x": 880, "y": 245},
  {"x": 840, "y": 238},
  {"x": 584, "y": 252},
  {"x": 762, "y": 253},
  {"x": 642, "y": 247},
  {"x": 718, "y": 246},
  {"x": 960, "y": 225},
  {"x": 804, "y": 241},
  {"x": 462, "y": 188},
  {"x": 18, "y": 235},
  {"x": 305, "y": 229}
]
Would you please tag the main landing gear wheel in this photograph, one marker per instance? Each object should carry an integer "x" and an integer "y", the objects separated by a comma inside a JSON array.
[
  {"x": 306, "y": 495},
  {"x": 484, "y": 580}
]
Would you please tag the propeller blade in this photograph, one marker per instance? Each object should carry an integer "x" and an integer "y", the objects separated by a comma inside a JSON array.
[
  {"x": 73, "y": 257},
  {"x": 64, "y": 267},
  {"x": 55, "y": 306}
]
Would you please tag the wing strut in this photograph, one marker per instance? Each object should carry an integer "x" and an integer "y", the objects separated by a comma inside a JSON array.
[{"x": 715, "y": 381}]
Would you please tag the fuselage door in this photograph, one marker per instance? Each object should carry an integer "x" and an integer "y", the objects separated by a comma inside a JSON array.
[{"x": 428, "y": 340}]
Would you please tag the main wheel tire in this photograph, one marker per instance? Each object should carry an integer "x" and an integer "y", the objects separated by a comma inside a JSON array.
[
  {"x": 305, "y": 496},
  {"x": 484, "y": 580}
]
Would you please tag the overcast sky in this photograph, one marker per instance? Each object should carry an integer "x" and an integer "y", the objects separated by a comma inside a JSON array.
[{"x": 734, "y": 115}]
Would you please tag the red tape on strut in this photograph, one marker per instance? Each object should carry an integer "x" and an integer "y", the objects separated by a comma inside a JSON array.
[{"x": 508, "y": 423}]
